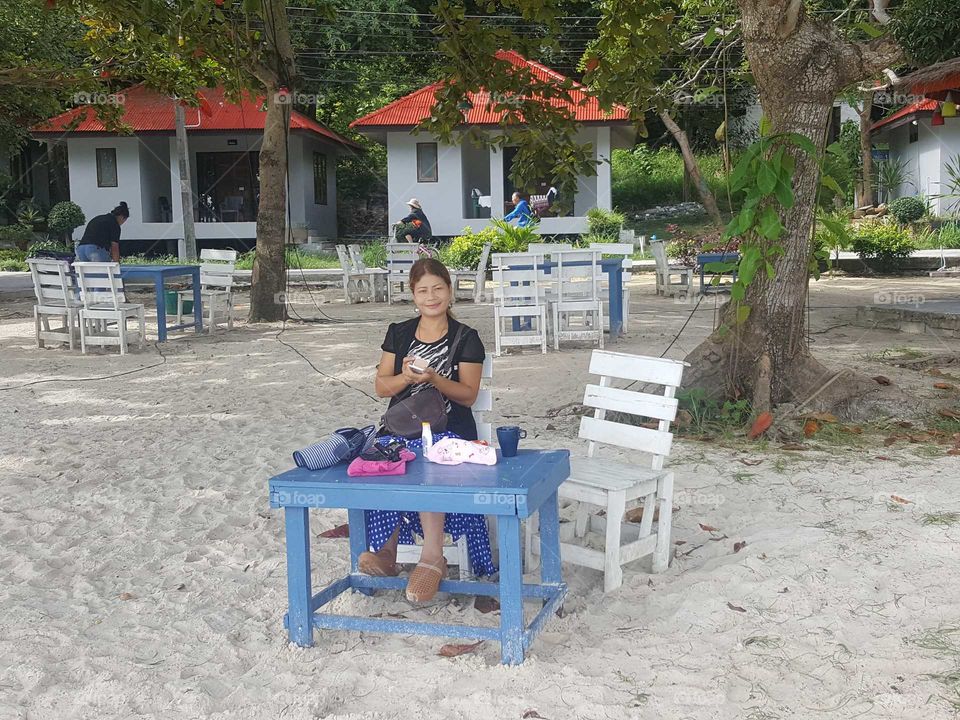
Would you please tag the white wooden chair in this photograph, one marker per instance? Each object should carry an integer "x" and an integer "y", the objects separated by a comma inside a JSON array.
[
  {"x": 216, "y": 288},
  {"x": 626, "y": 249},
  {"x": 519, "y": 306},
  {"x": 665, "y": 272},
  {"x": 57, "y": 296},
  {"x": 105, "y": 311},
  {"x": 400, "y": 258},
  {"x": 357, "y": 285},
  {"x": 456, "y": 553},
  {"x": 477, "y": 277},
  {"x": 377, "y": 276},
  {"x": 612, "y": 485},
  {"x": 545, "y": 249},
  {"x": 631, "y": 237},
  {"x": 577, "y": 309}
]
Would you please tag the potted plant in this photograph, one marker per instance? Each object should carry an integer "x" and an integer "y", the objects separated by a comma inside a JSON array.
[{"x": 64, "y": 218}]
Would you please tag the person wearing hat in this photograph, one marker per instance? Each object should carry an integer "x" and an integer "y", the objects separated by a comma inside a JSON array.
[{"x": 414, "y": 227}]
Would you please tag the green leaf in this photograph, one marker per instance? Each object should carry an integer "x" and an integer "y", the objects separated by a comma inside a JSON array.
[
  {"x": 828, "y": 182},
  {"x": 765, "y": 127},
  {"x": 710, "y": 37},
  {"x": 784, "y": 195},
  {"x": 766, "y": 177},
  {"x": 802, "y": 142},
  {"x": 771, "y": 271},
  {"x": 743, "y": 312},
  {"x": 769, "y": 225},
  {"x": 870, "y": 29},
  {"x": 737, "y": 291},
  {"x": 748, "y": 264}
]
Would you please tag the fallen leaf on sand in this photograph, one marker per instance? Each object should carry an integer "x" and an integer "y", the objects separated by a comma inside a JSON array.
[
  {"x": 944, "y": 386},
  {"x": 904, "y": 424},
  {"x": 760, "y": 425},
  {"x": 453, "y": 649},
  {"x": 738, "y": 546},
  {"x": 735, "y": 608},
  {"x": 948, "y": 413},
  {"x": 340, "y": 531},
  {"x": 532, "y": 714},
  {"x": 854, "y": 429},
  {"x": 921, "y": 437},
  {"x": 881, "y": 380},
  {"x": 888, "y": 441},
  {"x": 126, "y": 596},
  {"x": 883, "y": 457},
  {"x": 793, "y": 446},
  {"x": 749, "y": 462},
  {"x": 486, "y": 604},
  {"x": 679, "y": 542},
  {"x": 707, "y": 528},
  {"x": 821, "y": 417},
  {"x": 902, "y": 501},
  {"x": 810, "y": 428},
  {"x": 953, "y": 451}
]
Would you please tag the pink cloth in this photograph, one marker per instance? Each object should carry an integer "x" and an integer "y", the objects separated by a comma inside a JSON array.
[
  {"x": 370, "y": 468},
  {"x": 453, "y": 451}
]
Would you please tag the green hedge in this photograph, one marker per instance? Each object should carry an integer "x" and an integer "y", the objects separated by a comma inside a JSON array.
[
  {"x": 642, "y": 178},
  {"x": 883, "y": 246},
  {"x": 13, "y": 261}
]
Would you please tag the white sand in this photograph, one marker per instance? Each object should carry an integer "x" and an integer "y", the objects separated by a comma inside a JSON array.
[{"x": 142, "y": 572}]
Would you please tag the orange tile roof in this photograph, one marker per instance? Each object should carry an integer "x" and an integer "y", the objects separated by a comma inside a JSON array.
[
  {"x": 411, "y": 109},
  {"x": 922, "y": 106},
  {"x": 146, "y": 110}
]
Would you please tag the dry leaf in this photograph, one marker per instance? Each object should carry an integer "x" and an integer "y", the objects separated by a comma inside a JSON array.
[
  {"x": 749, "y": 462},
  {"x": 882, "y": 457},
  {"x": 853, "y": 429},
  {"x": 920, "y": 437},
  {"x": 881, "y": 380},
  {"x": 821, "y": 417},
  {"x": 944, "y": 386},
  {"x": 793, "y": 446},
  {"x": 948, "y": 413},
  {"x": 126, "y": 596},
  {"x": 810, "y": 428},
  {"x": 902, "y": 501},
  {"x": 340, "y": 531},
  {"x": 738, "y": 546},
  {"x": 486, "y": 604},
  {"x": 888, "y": 441},
  {"x": 707, "y": 528},
  {"x": 953, "y": 451},
  {"x": 735, "y": 608},
  {"x": 760, "y": 425},
  {"x": 453, "y": 649},
  {"x": 904, "y": 424},
  {"x": 532, "y": 714},
  {"x": 679, "y": 542}
]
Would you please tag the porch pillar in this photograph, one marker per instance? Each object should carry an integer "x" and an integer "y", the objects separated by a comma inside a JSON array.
[
  {"x": 604, "y": 194},
  {"x": 496, "y": 183}
]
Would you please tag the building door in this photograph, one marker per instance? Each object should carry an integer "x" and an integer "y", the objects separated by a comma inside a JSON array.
[{"x": 228, "y": 186}]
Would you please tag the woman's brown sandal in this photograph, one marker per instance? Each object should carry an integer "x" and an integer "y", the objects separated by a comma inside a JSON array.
[
  {"x": 382, "y": 563},
  {"x": 425, "y": 580}
]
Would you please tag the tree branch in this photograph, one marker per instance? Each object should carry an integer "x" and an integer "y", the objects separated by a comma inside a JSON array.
[{"x": 866, "y": 59}]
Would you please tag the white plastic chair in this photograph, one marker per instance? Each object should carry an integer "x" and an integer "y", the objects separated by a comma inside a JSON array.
[
  {"x": 477, "y": 276},
  {"x": 216, "y": 288},
  {"x": 105, "y": 305},
  {"x": 57, "y": 296},
  {"x": 456, "y": 553},
  {"x": 665, "y": 272},
  {"x": 577, "y": 309},
  {"x": 612, "y": 485},
  {"x": 626, "y": 250},
  {"x": 519, "y": 307}
]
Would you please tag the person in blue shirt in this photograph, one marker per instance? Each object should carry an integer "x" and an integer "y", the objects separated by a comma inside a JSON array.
[{"x": 521, "y": 210}]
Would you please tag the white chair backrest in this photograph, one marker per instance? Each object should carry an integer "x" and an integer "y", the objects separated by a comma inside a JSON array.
[
  {"x": 343, "y": 255},
  {"x": 637, "y": 369},
  {"x": 400, "y": 256},
  {"x": 484, "y": 402},
  {"x": 356, "y": 257},
  {"x": 53, "y": 284},
  {"x": 622, "y": 248},
  {"x": 548, "y": 248},
  {"x": 484, "y": 256},
  {"x": 577, "y": 275},
  {"x": 216, "y": 269},
  {"x": 100, "y": 284},
  {"x": 517, "y": 280},
  {"x": 659, "y": 250}
]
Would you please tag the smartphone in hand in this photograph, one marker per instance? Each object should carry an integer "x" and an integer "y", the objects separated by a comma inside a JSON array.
[{"x": 418, "y": 365}]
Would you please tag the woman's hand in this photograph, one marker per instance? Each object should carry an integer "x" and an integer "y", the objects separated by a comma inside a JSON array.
[{"x": 411, "y": 377}]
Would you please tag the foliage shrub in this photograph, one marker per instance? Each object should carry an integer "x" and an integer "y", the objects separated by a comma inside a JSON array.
[
  {"x": 642, "y": 178},
  {"x": 374, "y": 255},
  {"x": 17, "y": 235},
  {"x": 64, "y": 217},
  {"x": 906, "y": 210},
  {"x": 605, "y": 224},
  {"x": 465, "y": 249},
  {"x": 883, "y": 246},
  {"x": 928, "y": 30},
  {"x": 684, "y": 247},
  {"x": 48, "y": 244},
  {"x": 13, "y": 261}
]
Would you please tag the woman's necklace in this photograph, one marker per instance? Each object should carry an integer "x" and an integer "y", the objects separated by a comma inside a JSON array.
[{"x": 419, "y": 335}]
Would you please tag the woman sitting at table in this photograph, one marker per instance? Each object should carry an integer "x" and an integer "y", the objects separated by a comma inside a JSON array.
[
  {"x": 101, "y": 236},
  {"x": 428, "y": 337}
]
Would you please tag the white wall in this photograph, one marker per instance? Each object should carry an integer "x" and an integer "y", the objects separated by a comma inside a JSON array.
[
  {"x": 95, "y": 200},
  {"x": 925, "y": 160},
  {"x": 154, "y": 176},
  {"x": 321, "y": 220},
  {"x": 443, "y": 200}
]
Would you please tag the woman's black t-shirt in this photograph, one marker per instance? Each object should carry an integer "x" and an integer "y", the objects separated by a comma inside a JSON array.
[
  {"x": 101, "y": 231},
  {"x": 401, "y": 340}
]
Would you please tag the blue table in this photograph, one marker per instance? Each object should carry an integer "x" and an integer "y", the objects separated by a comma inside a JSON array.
[
  {"x": 613, "y": 267},
  {"x": 704, "y": 258},
  {"x": 512, "y": 490},
  {"x": 159, "y": 274}
]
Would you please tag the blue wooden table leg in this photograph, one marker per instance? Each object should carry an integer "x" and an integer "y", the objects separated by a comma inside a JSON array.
[
  {"x": 161, "y": 309},
  {"x": 511, "y": 585},
  {"x": 615, "y": 280},
  {"x": 550, "y": 541},
  {"x": 358, "y": 540},
  {"x": 299, "y": 617},
  {"x": 197, "y": 303}
]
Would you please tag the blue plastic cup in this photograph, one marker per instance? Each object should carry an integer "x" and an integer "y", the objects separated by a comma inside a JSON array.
[{"x": 509, "y": 437}]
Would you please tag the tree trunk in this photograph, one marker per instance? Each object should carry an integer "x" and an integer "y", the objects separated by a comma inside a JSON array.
[
  {"x": 799, "y": 65},
  {"x": 693, "y": 168},
  {"x": 866, "y": 152},
  {"x": 269, "y": 279},
  {"x": 186, "y": 186}
]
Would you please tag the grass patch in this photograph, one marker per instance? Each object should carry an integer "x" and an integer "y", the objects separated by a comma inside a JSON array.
[
  {"x": 295, "y": 260},
  {"x": 943, "y": 641},
  {"x": 642, "y": 178},
  {"x": 13, "y": 261},
  {"x": 945, "y": 519}
]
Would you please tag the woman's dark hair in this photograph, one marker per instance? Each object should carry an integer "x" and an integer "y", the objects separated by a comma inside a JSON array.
[
  {"x": 121, "y": 210},
  {"x": 430, "y": 266}
]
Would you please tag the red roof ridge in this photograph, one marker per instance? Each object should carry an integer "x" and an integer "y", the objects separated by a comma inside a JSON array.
[
  {"x": 921, "y": 106},
  {"x": 403, "y": 98}
]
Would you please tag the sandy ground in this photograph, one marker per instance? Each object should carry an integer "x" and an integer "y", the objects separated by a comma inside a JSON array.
[{"x": 142, "y": 571}]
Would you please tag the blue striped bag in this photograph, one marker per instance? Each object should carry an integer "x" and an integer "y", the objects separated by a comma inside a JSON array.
[{"x": 339, "y": 446}]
